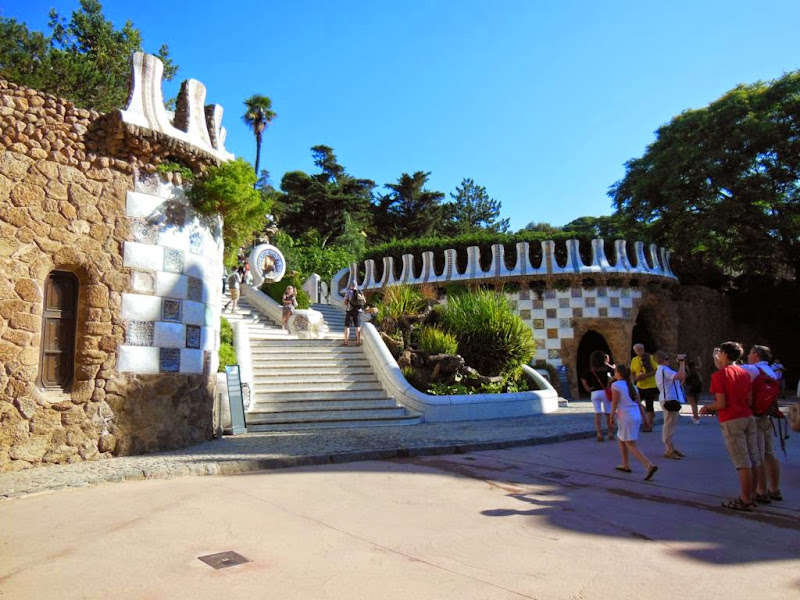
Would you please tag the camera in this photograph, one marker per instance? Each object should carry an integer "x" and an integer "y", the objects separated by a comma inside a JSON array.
[{"x": 680, "y": 357}]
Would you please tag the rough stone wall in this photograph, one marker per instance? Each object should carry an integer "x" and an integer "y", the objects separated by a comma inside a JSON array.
[{"x": 62, "y": 207}]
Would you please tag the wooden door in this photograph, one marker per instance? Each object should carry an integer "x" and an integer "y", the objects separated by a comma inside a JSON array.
[{"x": 58, "y": 330}]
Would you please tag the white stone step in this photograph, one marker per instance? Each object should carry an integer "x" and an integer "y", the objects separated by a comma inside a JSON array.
[
  {"x": 269, "y": 370},
  {"x": 312, "y": 385},
  {"x": 341, "y": 421},
  {"x": 333, "y": 380},
  {"x": 311, "y": 405},
  {"x": 317, "y": 395}
]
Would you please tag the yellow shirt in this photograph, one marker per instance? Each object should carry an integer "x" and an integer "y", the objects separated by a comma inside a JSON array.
[{"x": 637, "y": 368}]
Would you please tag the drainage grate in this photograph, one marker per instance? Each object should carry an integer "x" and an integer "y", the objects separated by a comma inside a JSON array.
[
  {"x": 555, "y": 475},
  {"x": 223, "y": 559}
]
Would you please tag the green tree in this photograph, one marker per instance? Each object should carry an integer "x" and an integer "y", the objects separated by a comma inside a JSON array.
[
  {"x": 227, "y": 190},
  {"x": 606, "y": 227},
  {"x": 472, "y": 210},
  {"x": 315, "y": 206},
  {"x": 258, "y": 115},
  {"x": 721, "y": 184},
  {"x": 409, "y": 210},
  {"x": 542, "y": 227},
  {"x": 85, "y": 59}
]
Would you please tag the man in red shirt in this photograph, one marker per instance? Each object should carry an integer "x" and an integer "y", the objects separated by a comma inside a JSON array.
[{"x": 732, "y": 400}]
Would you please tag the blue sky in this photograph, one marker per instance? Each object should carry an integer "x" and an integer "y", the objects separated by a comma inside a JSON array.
[{"x": 540, "y": 102}]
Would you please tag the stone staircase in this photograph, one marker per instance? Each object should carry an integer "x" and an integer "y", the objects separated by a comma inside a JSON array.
[{"x": 313, "y": 383}]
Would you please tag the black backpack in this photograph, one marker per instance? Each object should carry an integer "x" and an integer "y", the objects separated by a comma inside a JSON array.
[{"x": 357, "y": 299}]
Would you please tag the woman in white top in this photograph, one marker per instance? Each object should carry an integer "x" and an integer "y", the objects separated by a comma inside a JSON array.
[{"x": 626, "y": 410}]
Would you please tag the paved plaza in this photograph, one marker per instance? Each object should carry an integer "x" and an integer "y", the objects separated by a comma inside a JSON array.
[{"x": 547, "y": 521}]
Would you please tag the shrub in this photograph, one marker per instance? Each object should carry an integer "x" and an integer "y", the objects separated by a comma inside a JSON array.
[
  {"x": 227, "y": 355},
  {"x": 433, "y": 340},
  {"x": 491, "y": 338},
  {"x": 399, "y": 300},
  {"x": 275, "y": 290}
]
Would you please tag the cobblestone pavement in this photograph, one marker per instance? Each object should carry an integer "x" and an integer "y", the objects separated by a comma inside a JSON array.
[{"x": 259, "y": 451}]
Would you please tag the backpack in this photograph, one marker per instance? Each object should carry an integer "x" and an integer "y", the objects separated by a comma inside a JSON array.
[
  {"x": 357, "y": 299},
  {"x": 765, "y": 395}
]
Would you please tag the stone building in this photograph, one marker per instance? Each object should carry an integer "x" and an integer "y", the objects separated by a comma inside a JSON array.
[{"x": 109, "y": 282}]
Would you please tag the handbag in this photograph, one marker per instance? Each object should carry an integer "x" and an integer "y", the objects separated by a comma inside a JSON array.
[
  {"x": 670, "y": 405},
  {"x": 606, "y": 389}
]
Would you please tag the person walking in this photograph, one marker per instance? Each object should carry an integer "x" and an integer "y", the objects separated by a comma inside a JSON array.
[
  {"x": 234, "y": 284},
  {"x": 732, "y": 391},
  {"x": 289, "y": 302},
  {"x": 595, "y": 380},
  {"x": 643, "y": 368},
  {"x": 671, "y": 397},
  {"x": 354, "y": 302},
  {"x": 769, "y": 471},
  {"x": 693, "y": 386},
  {"x": 628, "y": 413}
]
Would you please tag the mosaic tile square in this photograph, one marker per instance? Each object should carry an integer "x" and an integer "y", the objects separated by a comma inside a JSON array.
[
  {"x": 565, "y": 323},
  {"x": 145, "y": 182},
  {"x": 551, "y": 313},
  {"x": 614, "y": 302},
  {"x": 576, "y": 292},
  {"x": 196, "y": 243},
  {"x": 525, "y": 314},
  {"x": 193, "y": 336},
  {"x": 143, "y": 232},
  {"x": 195, "y": 289},
  {"x": 603, "y": 312},
  {"x": 538, "y": 323},
  {"x": 552, "y": 334},
  {"x": 625, "y": 293},
  {"x": 175, "y": 213},
  {"x": 563, "y": 303},
  {"x": 577, "y": 313},
  {"x": 171, "y": 311},
  {"x": 549, "y": 294},
  {"x": 170, "y": 360},
  {"x": 139, "y": 333},
  {"x": 525, "y": 295},
  {"x": 514, "y": 305},
  {"x": 538, "y": 303},
  {"x": 602, "y": 292},
  {"x": 173, "y": 260},
  {"x": 143, "y": 282},
  {"x": 627, "y": 313},
  {"x": 554, "y": 354},
  {"x": 206, "y": 363},
  {"x": 590, "y": 302}
]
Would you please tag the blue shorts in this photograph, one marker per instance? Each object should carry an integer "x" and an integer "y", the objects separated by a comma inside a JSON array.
[{"x": 352, "y": 317}]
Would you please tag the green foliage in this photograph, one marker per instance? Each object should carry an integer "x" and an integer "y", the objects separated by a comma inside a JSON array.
[
  {"x": 399, "y": 300},
  {"x": 85, "y": 59},
  {"x": 409, "y": 210},
  {"x": 174, "y": 167},
  {"x": 258, "y": 115},
  {"x": 472, "y": 210},
  {"x": 227, "y": 355},
  {"x": 353, "y": 239},
  {"x": 307, "y": 257},
  {"x": 491, "y": 338},
  {"x": 316, "y": 204},
  {"x": 721, "y": 184},
  {"x": 227, "y": 190},
  {"x": 276, "y": 290},
  {"x": 452, "y": 290},
  {"x": 433, "y": 340}
]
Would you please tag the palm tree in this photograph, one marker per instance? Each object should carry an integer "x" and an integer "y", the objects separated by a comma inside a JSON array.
[{"x": 257, "y": 117}]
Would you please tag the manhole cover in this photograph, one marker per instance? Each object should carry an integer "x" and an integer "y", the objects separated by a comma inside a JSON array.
[
  {"x": 223, "y": 559},
  {"x": 555, "y": 475}
]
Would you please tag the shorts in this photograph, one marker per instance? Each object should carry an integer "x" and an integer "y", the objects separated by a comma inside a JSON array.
[
  {"x": 740, "y": 442},
  {"x": 234, "y": 294},
  {"x": 287, "y": 311},
  {"x": 765, "y": 440},
  {"x": 649, "y": 396},
  {"x": 601, "y": 402},
  {"x": 352, "y": 317}
]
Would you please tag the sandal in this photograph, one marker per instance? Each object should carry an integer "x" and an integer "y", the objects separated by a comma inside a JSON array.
[
  {"x": 610, "y": 435},
  {"x": 650, "y": 472},
  {"x": 672, "y": 455},
  {"x": 738, "y": 504},
  {"x": 600, "y": 438},
  {"x": 647, "y": 430},
  {"x": 762, "y": 499},
  {"x": 345, "y": 344},
  {"x": 679, "y": 454},
  {"x": 623, "y": 468},
  {"x": 775, "y": 495}
]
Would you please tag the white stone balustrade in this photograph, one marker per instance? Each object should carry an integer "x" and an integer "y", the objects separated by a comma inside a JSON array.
[{"x": 549, "y": 265}]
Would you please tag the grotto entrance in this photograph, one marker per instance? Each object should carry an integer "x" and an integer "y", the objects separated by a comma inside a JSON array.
[{"x": 590, "y": 342}]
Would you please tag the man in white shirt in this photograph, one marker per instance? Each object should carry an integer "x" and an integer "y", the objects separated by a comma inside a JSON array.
[
  {"x": 770, "y": 467},
  {"x": 671, "y": 397}
]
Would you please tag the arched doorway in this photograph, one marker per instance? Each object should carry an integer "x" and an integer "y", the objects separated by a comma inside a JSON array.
[
  {"x": 590, "y": 342},
  {"x": 57, "y": 358},
  {"x": 642, "y": 334}
]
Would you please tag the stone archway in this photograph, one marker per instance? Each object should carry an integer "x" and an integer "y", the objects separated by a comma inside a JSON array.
[{"x": 591, "y": 341}]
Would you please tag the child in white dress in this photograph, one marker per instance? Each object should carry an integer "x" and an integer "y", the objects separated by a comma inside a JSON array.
[{"x": 628, "y": 414}]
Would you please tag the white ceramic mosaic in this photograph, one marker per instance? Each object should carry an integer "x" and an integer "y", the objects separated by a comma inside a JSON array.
[{"x": 175, "y": 261}]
